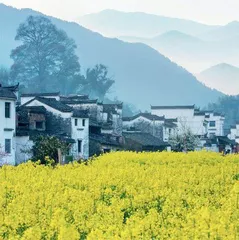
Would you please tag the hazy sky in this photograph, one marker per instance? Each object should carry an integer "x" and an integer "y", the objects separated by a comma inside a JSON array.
[{"x": 207, "y": 11}]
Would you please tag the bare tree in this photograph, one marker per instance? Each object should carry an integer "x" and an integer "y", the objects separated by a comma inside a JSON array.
[
  {"x": 46, "y": 57},
  {"x": 184, "y": 139}
]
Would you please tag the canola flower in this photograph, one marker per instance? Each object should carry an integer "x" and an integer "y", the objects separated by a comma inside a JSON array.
[{"x": 123, "y": 195}]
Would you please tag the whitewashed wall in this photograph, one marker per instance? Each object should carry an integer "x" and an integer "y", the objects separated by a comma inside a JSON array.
[
  {"x": 218, "y": 130},
  {"x": 186, "y": 119},
  {"x": 234, "y": 133},
  {"x": 80, "y": 132},
  {"x": 23, "y": 149},
  {"x": 174, "y": 113},
  {"x": 8, "y": 123},
  {"x": 198, "y": 125}
]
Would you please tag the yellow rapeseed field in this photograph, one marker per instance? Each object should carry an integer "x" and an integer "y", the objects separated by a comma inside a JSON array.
[{"x": 123, "y": 196}]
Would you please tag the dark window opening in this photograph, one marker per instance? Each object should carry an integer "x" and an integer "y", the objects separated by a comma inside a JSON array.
[
  {"x": 212, "y": 124},
  {"x": 79, "y": 146},
  {"x": 7, "y": 109},
  {"x": 106, "y": 150},
  {"x": 83, "y": 122},
  {"x": 7, "y": 145},
  {"x": 39, "y": 125},
  {"x": 23, "y": 125},
  {"x": 76, "y": 122}
]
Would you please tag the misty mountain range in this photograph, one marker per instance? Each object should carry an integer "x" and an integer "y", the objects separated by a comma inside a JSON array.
[
  {"x": 191, "y": 45},
  {"x": 143, "y": 76},
  {"x": 113, "y": 23},
  {"x": 224, "y": 76}
]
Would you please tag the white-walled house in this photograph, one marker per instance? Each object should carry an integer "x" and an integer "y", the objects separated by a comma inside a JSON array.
[
  {"x": 215, "y": 123},
  {"x": 112, "y": 119},
  {"x": 158, "y": 126},
  {"x": 64, "y": 120},
  {"x": 145, "y": 122},
  {"x": 105, "y": 122},
  {"x": 7, "y": 125},
  {"x": 170, "y": 127},
  {"x": 200, "y": 122},
  {"x": 234, "y": 132},
  {"x": 207, "y": 125},
  {"x": 187, "y": 116},
  {"x": 82, "y": 102}
]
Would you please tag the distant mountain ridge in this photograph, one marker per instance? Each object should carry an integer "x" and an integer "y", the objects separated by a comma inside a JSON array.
[
  {"x": 143, "y": 76},
  {"x": 221, "y": 33},
  {"x": 115, "y": 23},
  {"x": 193, "y": 45},
  {"x": 224, "y": 77}
]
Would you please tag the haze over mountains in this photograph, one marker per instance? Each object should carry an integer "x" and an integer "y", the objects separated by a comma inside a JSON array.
[
  {"x": 115, "y": 23},
  {"x": 191, "y": 45},
  {"x": 223, "y": 76},
  {"x": 143, "y": 76}
]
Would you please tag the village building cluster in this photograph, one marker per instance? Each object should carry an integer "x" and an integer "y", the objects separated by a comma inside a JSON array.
[{"x": 92, "y": 127}]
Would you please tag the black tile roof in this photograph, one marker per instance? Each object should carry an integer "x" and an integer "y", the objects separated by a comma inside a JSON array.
[
  {"x": 106, "y": 139},
  {"x": 205, "y": 112},
  {"x": 94, "y": 123},
  {"x": 83, "y": 101},
  {"x": 33, "y": 134},
  {"x": 54, "y": 94},
  {"x": 145, "y": 115},
  {"x": 218, "y": 114},
  {"x": 109, "y": 108},
  {"x": 144, "y": 139},
  {"x": 113, "y": 105},
  {"x": 174, "y": 107},
  {"x": 32, "y": 109},
  {"x": 52, "y": 102},
  {"x": 174, "y": 120},
  {"x": 7, "y": 93},
  {"x": 170, "y": 124},
  {"x": 80, "y": 113},
  {"x": 199, "y": 114},
  {"x": 107, "y": 126},
  {"x": 13, "y": 88},
  {"x": 74, "y": 97}
]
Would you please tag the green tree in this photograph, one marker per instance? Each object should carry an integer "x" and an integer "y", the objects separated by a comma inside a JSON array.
[
  {"x": 4, "y": 76},
  {"x": 229, "y": 106},
  {"x": 46, "y": 58},
  {"x": 97, "y": 82},
  {"x": 48, "y": 147}
]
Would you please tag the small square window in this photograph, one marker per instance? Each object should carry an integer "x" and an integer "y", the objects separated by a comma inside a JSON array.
[
  {"x": 212, "y": 124},
  {"x": 39, "y": 125}
]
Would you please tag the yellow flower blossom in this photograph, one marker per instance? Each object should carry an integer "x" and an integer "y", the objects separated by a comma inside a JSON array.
[{"x": 123, "y": 195}]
